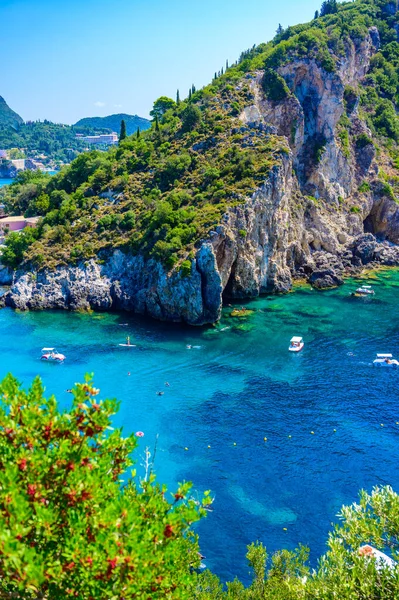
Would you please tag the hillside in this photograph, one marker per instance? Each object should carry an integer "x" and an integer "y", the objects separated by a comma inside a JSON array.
[
  {"x": 285, "y": 166},
  {"x": 7, "y": 116},
  {"x": 113, "y": 122}
]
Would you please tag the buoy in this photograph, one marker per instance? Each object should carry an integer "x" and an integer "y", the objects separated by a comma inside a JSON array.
[
  {"x": 290, "y": 436},
  {"x": 335, "y": 430},
  {"x": 285, "y": 529},
  {"x": 208, "y": 446},
  {"x": 140, "y": 433},
  {"x": 265, "y": 439},
  {"x": 234, "y": 444},
  {"x": 397, "y": 422},
  {"x": 186, "y": 448},
  {"x": 312, "y": 432},
  {"x": 382, "y": 424}
]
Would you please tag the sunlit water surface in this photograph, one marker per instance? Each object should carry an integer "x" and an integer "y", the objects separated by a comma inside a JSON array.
[{"x": 237, "y": 385}]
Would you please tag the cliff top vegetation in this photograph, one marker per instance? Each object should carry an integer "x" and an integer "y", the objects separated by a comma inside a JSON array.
[{"x": 161, "y": 192}]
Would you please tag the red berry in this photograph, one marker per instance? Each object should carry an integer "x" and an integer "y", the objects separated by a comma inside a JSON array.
[{"x": 168, "y": 531}]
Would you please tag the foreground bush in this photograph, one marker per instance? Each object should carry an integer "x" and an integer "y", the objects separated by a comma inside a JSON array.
[
  {"x": 342, "y": 573},
  {"x": 73, "y": 522}
]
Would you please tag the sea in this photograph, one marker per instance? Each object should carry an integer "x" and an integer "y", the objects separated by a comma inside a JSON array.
[
  {"x": 282, "y": 440},
  {"x": 5, "y": 182}
]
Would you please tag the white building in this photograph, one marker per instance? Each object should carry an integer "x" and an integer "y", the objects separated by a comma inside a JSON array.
[{"x": 106, "y": 138}]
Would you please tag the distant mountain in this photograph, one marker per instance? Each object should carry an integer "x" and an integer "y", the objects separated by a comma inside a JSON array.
[
  {"x": 8, "y": 116},
  {"x": 113, "y": 122}
]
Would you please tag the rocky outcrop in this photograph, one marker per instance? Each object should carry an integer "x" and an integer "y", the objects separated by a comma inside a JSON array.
[{"x": 307, "y": 219}]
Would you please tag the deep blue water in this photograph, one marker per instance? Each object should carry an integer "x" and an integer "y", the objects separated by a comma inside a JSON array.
[{"x": 240, "y": 386}]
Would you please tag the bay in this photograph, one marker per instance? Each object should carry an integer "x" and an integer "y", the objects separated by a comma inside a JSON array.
[{"x": 330, "y": 418}]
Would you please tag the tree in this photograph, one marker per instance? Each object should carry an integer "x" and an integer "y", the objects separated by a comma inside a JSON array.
[
  {"x": 70, "y": 526},
  {"x": 193, "y": 89},
  {"x": 316, "y": 14},
  {"x": 156, "y": 124},
  {"x": 138, "y": 133},
  {"x": 161, "y": 106},
  {"x": 328, "y": 7},
  {"x": 191, "y": 117},
  {"x": 177, "y": 97},
  {"x": 344, "y": 572},
  {"x": 122, "y": 134},
  {"x": 190, "y": 93},
  {"x": 227, "y": 64},
  {"x": 280, "y": 29}
]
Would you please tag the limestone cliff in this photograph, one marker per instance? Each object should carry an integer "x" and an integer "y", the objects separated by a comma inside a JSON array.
[{"x": 323, "y": 210}]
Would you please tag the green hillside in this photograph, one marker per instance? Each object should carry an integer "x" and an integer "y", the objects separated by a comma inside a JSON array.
[
  {"x": 113, "y": 122},
  {"x": 173, "y": 183},
  {"x": 7, "y": 116}
]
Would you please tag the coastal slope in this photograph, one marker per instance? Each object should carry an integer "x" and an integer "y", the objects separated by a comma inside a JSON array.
[{"x": 285, "y": 166}]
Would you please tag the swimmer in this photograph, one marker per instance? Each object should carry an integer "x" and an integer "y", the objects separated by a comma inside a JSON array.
[
  {"x": 160, "y": 393},
  {"x": 128, "y": 372},
  {"x": 167, "y": 384},
  {"x": 69, "y": 391},
  {"x": 189, "y": 346}
]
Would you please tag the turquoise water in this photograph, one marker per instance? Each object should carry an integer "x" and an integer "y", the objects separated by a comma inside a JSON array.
[
  {"x": 5, "y": 182},
  {"x": 238, "y": 386}
]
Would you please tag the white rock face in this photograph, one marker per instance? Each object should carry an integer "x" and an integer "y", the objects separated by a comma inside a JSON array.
[{"x": 307, "y": 218}]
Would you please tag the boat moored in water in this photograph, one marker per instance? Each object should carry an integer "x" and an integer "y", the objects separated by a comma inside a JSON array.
[
  {"x": 296, "y": 344},
  {"x": 51, "y": 355},
  {"x": 385, "y": 360},
  {"x": 382, "y": 560},
  {"x": 364, "y": 290}
]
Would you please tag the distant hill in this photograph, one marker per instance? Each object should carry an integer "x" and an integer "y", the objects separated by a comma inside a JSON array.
[
  {"x": 113, "y": 122},
  {"x": 8, "y": 116}
]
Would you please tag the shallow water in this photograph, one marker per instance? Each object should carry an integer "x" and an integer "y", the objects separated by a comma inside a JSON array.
[{"x": 238, "y": 386}]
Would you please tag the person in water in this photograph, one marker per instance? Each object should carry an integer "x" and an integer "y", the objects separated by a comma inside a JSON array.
[{"x": 128, "y": 340}]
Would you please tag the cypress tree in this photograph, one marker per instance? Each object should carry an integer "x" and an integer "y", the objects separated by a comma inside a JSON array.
[
  {"x": 227, "y": 64},
  {"x": 280, "y": 29},
  {"x": 216, "y": 75},
  {"x": 222, "y": 71},
  {"x": 193, "y": 89},
  {"x": 189, "y": 94},
  {"x": 316, "y": 15},
  {"x": 122, "y": 134},
  {"x": 138, "y": 133},
  {"x": 177, "y": 97},
  {"x": 156, "y": 123}
]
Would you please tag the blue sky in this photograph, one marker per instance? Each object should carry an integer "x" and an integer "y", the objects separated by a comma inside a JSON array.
[{"x": 67, "y": 59}]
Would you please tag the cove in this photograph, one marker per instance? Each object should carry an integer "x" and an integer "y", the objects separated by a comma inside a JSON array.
[{"x": 236, "y": 385}]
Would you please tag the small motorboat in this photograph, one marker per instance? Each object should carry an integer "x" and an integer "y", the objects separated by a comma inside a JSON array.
[
  {"x": 382, "y": 560},
  {"x": 51, "y": 355},
  {"x": 364, "y": 290},
  {"x": 385, "y": 360},
  {"x": 296, "y": 344}
]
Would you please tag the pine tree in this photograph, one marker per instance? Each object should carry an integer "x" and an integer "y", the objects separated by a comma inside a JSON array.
[
  {"x": 280, "y": 29},
  {"x": 216, "y": 75},
  {"x": 177, "y": 97},
  {"x": 122, "y": 134}
]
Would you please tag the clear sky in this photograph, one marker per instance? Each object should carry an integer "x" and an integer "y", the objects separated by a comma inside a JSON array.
[{"x": 67, "y": 59}]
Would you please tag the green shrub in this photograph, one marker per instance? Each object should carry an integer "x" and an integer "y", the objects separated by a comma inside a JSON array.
[
  {"x": 185, "y": 268},
  {"x": 274, "y": 86}
]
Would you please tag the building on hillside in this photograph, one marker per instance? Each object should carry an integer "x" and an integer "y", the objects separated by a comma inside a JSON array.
[
  {"x": 107, "y": 139},
  {"x": 8, "y": 223}
]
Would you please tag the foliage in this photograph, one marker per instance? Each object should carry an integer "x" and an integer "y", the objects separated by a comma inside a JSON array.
[
  {"x": 122, "y": 134},
  {"x": 74, "y": 523},
  {"x": 342, "y": 572},
  {"x": 274, "y": 86}
]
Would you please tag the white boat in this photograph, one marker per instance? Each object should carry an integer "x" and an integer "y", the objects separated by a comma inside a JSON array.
[
  {"x": 296, "y": 344},
  {"x": 51, "y": 355},
  {"x": 365, "y": 290},
  {"x": 381, "y": 559},
  {"x": 385, "y": 360}
]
